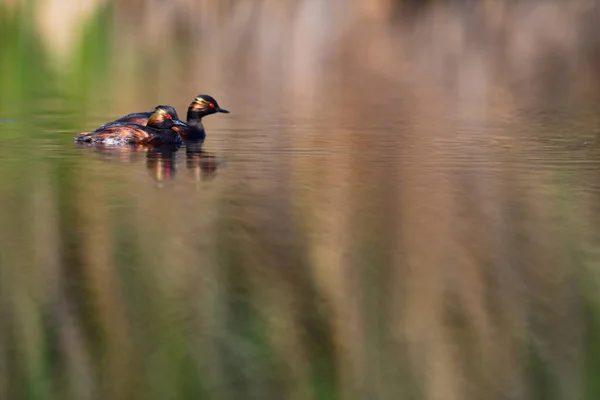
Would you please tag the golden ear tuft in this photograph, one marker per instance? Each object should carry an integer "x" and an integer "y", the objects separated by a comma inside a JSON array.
[
  {"x": 157, "y": 117},
  {"x": 200, "y": 101}
]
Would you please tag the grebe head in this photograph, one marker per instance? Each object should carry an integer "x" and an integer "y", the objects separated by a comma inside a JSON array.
[
  {"x": 205, "y": 105},
  {"x": 170, "y": 110},
  {"x": 164, "y": 117}
]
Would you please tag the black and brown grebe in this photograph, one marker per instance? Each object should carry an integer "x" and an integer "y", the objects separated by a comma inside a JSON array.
[
  {"x": 141, "y": 118},
  {"x": 202, "y": 106},
  {"x": 157, "y": 130}
]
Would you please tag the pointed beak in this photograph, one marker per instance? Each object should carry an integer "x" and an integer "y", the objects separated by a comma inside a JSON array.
[
  {"x": 178, "y": 122},
  {"x": 221, "y": 110}
]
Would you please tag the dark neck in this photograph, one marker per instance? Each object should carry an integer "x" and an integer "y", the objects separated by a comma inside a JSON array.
[{"x": 194, "y": 118}]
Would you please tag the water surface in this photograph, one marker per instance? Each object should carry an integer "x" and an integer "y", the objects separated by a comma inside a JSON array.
[{"x": 400, "y": 204}]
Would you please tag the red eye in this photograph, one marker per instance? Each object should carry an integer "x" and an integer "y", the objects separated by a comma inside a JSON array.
[
  {"x": 211, "y": 105},
  {"x": 169, "y": 117}
]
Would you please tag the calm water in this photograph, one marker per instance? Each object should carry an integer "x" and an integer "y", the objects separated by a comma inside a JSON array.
[{"x": 401, "y": 205}]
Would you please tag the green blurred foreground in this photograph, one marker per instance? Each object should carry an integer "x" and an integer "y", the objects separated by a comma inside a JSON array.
[{"x": 408, "y": 207}]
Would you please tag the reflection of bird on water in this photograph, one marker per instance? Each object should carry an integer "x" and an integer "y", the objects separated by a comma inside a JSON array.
[
  {"x": 121, "y": 153},
  {"x": 161, "y": 162},
  {"x": 201, "y": 164}
]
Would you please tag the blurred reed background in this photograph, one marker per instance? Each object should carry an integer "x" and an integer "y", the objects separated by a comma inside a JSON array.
[{"x": 407, "y": 209}]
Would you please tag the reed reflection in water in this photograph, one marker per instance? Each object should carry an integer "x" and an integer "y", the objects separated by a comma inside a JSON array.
[{"x": 401, "y": 204}]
